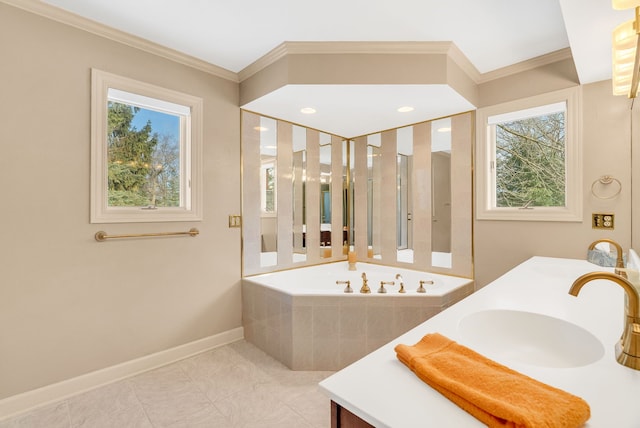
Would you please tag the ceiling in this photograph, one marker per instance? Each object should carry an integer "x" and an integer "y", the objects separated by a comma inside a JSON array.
[{"x": 492, "y": 34}]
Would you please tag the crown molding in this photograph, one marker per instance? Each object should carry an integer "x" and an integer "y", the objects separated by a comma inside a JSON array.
[
  {"x": 448, "y": 48},
  {"x": 526, "y": 65},
  {"x": 286, "y": 48},
  {"x": 68, "y": 18}
]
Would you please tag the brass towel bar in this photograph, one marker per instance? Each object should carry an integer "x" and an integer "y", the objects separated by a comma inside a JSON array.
[{"x": 102, "y": 236}]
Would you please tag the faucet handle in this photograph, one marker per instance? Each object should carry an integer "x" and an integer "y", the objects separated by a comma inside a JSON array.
[
  {"x": 421, "y": 289},
  {"x": 382, "y": 284},
  {"x": 348, "y": 288}
]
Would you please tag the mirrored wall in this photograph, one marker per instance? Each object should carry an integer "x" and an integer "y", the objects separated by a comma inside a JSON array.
[
  {"x": 400, "y": 197},
  {"x": 417, "y": 178},
  {"x": 293, "y": 193}
]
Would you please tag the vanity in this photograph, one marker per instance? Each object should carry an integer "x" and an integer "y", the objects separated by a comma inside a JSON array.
[{"x": 525, "y": 320}]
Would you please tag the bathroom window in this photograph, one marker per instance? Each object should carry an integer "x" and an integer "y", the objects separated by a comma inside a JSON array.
[
  {"x": 529, "y": 159},
  {"x": 146, "y": 152}
]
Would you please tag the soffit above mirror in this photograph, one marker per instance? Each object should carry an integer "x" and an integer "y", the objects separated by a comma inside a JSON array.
[{"x": 353, "y": 110}]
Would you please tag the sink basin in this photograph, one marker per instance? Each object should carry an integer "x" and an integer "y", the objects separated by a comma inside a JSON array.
[{"x": 530, "y": 338}]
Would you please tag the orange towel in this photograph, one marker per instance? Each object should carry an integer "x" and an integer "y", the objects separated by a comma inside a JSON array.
[{"x": 493, "y": 393}]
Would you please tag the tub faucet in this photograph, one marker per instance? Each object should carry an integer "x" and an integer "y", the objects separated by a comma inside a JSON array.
[
  {"x": 628, "y": 347},
  {"x": 421, "y": 289},
  {"x": 365, "y": 286},
  {"x": 399, "y": 277},
  {"x": 619, "y": 255}
]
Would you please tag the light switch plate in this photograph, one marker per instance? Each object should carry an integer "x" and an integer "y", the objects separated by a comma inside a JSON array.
[{"x": 235, "y": 220}]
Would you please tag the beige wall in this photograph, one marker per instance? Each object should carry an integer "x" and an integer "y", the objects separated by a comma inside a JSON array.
[
  {"x": 500, "y": 245},
  {"x": 70, "y": 305}
]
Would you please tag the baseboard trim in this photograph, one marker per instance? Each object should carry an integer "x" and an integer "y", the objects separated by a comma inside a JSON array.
[{"x": 14, "y": 405}]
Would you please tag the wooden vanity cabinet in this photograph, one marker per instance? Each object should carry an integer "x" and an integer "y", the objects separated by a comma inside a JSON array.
[{"x": 342, "y": 418}]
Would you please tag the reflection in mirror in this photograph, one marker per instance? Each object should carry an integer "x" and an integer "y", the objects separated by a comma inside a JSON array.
[
  {"x": 268, "y": 192},
  {"x": 348, "y": 195},
  {"x": 404, "y": 233},
  {"x": 299, "y": 178},
  {"x": 374, "y": 213},
  {"x": 325, "y": 195},
  {"x": 441, "y": 192}
]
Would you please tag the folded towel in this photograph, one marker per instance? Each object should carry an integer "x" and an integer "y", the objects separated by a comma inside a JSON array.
[{"x": 493, "y": 393}]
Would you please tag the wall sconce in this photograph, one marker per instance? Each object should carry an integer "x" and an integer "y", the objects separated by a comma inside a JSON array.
[{"x": 626, "y": 40}]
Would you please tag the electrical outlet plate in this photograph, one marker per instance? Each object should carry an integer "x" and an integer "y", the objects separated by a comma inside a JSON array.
[{"x": 602, "y": 221}]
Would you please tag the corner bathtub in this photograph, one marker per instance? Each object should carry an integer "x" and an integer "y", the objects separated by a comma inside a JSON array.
[{"x": 307, "y": 322}]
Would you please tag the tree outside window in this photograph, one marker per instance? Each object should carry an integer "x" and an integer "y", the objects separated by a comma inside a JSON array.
[
  {"x": 143, "y": 165},
  {"x": 530, "y": 162}
]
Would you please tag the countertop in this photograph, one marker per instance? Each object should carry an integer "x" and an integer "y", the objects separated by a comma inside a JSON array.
[{"x": 381, "y": 390}]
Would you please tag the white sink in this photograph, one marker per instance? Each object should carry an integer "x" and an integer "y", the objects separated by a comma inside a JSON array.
[{"x": 530, "y": 338}]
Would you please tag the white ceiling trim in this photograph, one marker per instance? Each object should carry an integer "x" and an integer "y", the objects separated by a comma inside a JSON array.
[
  {"x": 529, "y": 64},
  {"x": 68, "y": 18},
  {"x": 449, "y": 48},
  {"x": 293, "y": 48}
]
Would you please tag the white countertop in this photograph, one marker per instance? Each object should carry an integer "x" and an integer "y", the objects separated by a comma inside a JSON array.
[{"x": 384, "y": 392}]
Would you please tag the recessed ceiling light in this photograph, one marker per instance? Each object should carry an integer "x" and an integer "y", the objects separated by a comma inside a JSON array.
[
  {"x": 308, "y": 110},
  {"x": 405, "y": 109},
  {"x": 444, "y": 129},
  {"x": 260, "y": 128}
]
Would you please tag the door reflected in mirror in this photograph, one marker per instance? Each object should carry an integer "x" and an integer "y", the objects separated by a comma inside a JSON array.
[{"x": 441, "y": 193}]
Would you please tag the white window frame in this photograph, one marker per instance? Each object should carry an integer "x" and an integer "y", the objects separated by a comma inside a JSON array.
[
  {"x": 485, "y": 155},
  {"x": 139, "y": 93}
]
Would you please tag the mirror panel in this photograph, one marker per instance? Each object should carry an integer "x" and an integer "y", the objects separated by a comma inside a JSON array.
[
  {"x": 299, "y": 178},
  {"x": 348, "y": 160},
  {"x": 268, "y": 192},
  {"x": 374, "y": 196},
  {"x": 441, "y": 193},
  {"x": 325, "y": 195},
  {"x": 404, "y": 192}
]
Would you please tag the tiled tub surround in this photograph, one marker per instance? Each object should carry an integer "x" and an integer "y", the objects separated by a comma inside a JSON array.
[{"x": 306, "y": 321}]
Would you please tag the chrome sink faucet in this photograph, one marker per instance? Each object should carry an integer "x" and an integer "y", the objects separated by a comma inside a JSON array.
[
  {"x": 628, "y": 348},
  {"x": 365, "y": 286}
]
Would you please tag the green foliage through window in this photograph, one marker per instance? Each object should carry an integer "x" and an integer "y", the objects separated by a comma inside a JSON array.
[
  {"x": 530, "y": 162},
  {"x": 143, "y": 164}
]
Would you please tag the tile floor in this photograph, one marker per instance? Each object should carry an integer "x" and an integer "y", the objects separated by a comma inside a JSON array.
[{"x": 236, "y": 385}]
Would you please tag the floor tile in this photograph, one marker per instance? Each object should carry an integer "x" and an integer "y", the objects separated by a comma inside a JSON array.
[{"x": 236, "y": 385}]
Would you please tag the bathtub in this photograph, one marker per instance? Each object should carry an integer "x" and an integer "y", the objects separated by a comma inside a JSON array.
[{"x": 305, "y": 320}]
